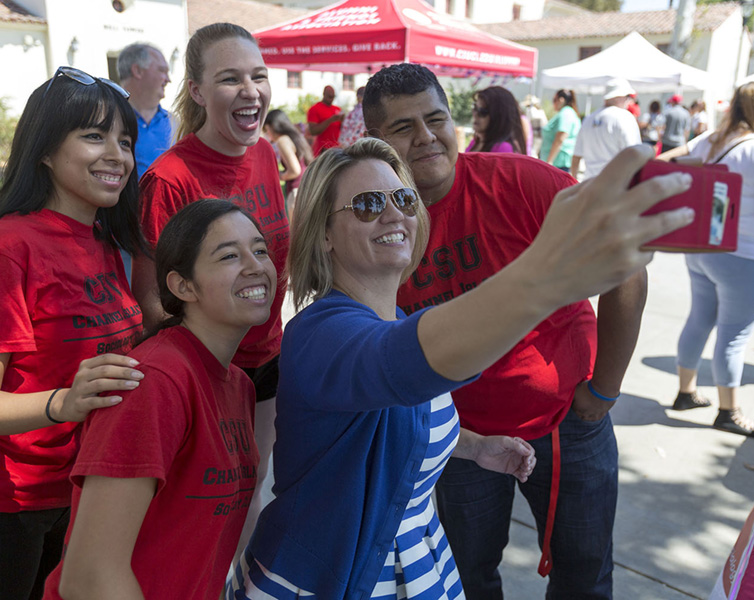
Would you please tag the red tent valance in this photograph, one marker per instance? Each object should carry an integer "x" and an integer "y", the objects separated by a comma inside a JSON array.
[{"x": 361, "y": 36}]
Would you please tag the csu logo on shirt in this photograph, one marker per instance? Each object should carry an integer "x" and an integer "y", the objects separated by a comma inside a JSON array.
[
  {"x": 444, "y": 261},
  {"x": 252, "y": 199},
  {"x": 235, "y": 434},
  {"x": 102, "y": 288}
]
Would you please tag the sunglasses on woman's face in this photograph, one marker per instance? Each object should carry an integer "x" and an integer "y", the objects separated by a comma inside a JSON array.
[
  {"x": 367, "y": 206},
  {"x": 84, "y": 79},
  {"x": 482, "y": 112}
]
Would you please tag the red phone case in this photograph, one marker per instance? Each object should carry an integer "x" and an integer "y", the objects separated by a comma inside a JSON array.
[{"x": 715, "y": 196}]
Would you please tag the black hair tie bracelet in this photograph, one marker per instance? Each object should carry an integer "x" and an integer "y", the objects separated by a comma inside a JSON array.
[{"x": 47, "y": 408}]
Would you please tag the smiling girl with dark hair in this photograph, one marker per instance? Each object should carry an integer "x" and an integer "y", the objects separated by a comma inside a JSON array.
[
  {"x": 163, "y": 481},
  {"x": 68, "y": 203}
]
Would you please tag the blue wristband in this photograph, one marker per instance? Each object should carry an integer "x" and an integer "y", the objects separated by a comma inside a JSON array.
[{"x": 600, "y": 396}]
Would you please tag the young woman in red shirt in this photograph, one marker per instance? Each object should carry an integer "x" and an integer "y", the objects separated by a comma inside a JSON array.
[
  {"x": 222, "y": 106},
  {"x": 67, "y": 204},
  {"x": 163, "y": 480}
]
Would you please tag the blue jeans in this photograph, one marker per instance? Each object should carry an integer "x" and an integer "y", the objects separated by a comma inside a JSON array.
[
  {"x": 722, "y": 295},
  {"x": 475, "y": 506}
]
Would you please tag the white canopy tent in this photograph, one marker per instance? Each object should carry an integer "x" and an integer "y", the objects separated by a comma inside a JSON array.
[{"x": 633, "y": 58}]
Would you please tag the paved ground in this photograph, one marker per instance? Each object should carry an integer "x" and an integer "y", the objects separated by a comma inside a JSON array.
[{"x": 685, "y": 489}]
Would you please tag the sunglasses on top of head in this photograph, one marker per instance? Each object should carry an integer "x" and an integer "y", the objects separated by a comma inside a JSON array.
[
  {"x": 367, "y": 206},
  {"x": 84, "y": 79}
]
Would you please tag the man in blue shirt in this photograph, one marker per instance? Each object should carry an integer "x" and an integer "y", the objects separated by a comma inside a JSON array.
[{"x": 144, "y": 72}]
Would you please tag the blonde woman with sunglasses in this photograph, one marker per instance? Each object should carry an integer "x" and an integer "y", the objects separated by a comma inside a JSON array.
[
  {"x": 365, "y": 420},
  {"x": 68, "y": 203}
]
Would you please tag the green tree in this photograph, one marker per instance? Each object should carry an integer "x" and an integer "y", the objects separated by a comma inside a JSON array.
[
  {"x": 7, "y": 129},
  {"x": 749, "y": 21},
  {"x": 461, "y": 100},
  {"x": 598, "y": 5},
  {"x": 297, "y": 114}
]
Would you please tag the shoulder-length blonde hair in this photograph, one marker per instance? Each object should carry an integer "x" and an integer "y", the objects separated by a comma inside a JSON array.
[
  {"x": 309, "y": 263},
  {"x": 190, "y": 115}
]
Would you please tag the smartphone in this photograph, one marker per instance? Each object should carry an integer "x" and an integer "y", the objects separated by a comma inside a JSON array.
[{"x": 715, "y": 196}]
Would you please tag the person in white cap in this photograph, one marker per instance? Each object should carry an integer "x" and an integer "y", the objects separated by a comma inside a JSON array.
[{"x": 606, "y": 132}]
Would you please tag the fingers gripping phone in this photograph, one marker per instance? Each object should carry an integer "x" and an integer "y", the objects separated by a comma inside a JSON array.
[{"x": 715, "y": 196}]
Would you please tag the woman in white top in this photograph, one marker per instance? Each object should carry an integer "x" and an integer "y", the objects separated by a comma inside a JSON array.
[{"x": 722, "y": 285}]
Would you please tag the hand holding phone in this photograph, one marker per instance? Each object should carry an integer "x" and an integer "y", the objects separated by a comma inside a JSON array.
[{"x": 715, "y": 196}]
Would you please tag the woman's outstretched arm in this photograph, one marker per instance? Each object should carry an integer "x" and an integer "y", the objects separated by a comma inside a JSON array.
[{"x": 590, "y": 241}]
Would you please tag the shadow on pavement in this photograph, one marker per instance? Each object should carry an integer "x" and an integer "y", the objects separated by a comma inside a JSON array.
[
  {"x": 667, "y": 365},
  {"x": 637, "y": 410}
]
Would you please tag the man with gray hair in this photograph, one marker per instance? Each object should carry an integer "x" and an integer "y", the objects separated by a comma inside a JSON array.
[{"x": 144, "y": 73}]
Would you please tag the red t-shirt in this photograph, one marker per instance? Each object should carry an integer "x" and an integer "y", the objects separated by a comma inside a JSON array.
[
  {"x": 191, "y": 171},
  {"x": 492, "y": 213},
  {"x": 189, "y": 425},
  {"x": 65, "y": 298},
  {"x": 329, "y": 137}
]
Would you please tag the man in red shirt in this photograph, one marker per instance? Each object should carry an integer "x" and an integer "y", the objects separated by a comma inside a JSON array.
[
  {"x": 554, "y": 388},
  {"x": 324, "y": 121}
]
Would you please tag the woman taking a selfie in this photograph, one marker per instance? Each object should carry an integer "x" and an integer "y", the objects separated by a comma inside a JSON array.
[
  {"x": 68, "y": 203},
  {"x": 365, "y": 420}
]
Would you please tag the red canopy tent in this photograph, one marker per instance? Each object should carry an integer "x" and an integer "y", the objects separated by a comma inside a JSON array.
[{"x": 360, "y": 36}]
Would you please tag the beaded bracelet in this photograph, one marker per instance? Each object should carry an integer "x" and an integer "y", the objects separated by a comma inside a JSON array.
[
  {"x": 47, "y": 408},
  {"x": 600, "y": 396}
]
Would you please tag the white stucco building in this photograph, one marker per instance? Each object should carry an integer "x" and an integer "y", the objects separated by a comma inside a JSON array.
[{"x": 37, "y": 36}]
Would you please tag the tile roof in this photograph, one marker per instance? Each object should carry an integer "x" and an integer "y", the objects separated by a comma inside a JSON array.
[
  {"x": 10, "y": 12},
  {"x": 569, "y": 6},
  {"x": 248, "y": 13},
  {"x": 708, "y": 17}
]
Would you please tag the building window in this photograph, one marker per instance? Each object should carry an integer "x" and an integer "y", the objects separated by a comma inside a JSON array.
[
  {"x": 516, "y": 12},
  {"x": 469, "y": 9},
  {"x": 451, "y": 7},
  {"x": 587, "y": 51},
  {"x": 112, "y": 68},
  {"x": 294, "y": 79},
  {"x": 664, "y": 48},
  {"x": 348, "y": 85}
]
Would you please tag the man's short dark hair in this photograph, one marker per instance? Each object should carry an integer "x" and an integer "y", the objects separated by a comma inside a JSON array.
[{"x": 403, "y": 79}]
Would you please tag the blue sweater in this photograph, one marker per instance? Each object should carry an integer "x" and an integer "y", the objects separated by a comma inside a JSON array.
[{"x": 352, "y": 430}]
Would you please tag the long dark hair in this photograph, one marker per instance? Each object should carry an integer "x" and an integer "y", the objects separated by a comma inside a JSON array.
[
  {"x": 178, "y": 248},
  {"x": 49, "y": 116},
  {"x": 279, "y": 122},
  {"x": 505, "y": 120}
]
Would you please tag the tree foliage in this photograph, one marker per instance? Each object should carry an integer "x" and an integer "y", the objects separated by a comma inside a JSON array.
[
  {"x": 461, "y": 100},
  {"x": 749, "y": 21},
  {"x": 297, "y": 114},
  {"x": 7, "y": 129},
  {"x": 598, "y": 5}
]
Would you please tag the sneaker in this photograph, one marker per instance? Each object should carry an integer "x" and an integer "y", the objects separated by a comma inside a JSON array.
[
  {"x": 689, "y": 400},
  {"x": 734, "y": 422}
]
